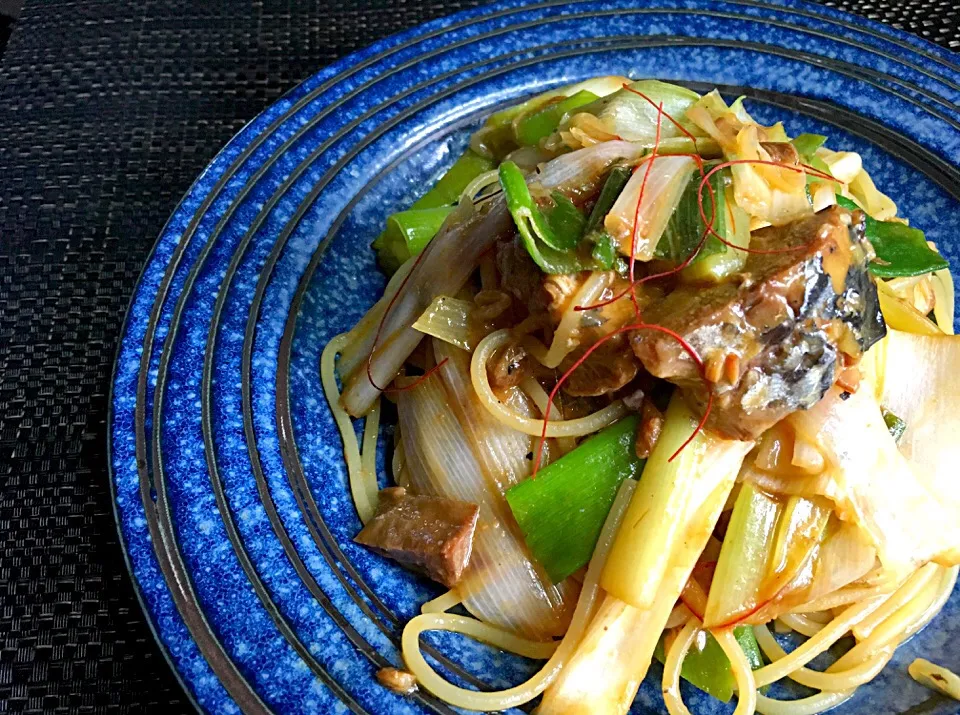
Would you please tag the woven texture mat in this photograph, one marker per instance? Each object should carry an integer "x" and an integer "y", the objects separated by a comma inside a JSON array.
[{"x": 108, "y": 110}]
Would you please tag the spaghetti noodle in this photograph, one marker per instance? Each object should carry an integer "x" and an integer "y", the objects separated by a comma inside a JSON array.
[{"x": 533, "y": 267}]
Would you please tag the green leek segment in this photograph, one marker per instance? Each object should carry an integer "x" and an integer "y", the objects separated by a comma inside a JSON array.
[{"x": 562, "y": 510}]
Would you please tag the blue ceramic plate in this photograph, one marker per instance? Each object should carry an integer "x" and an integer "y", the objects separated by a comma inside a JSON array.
[{"x": 231, "y": 493}]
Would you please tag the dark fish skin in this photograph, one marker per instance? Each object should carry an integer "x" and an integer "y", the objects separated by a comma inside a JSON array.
[{"x": 771, "y": 337}]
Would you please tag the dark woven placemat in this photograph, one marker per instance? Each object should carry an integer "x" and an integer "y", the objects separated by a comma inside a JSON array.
[{"x": 108, "y": 110}]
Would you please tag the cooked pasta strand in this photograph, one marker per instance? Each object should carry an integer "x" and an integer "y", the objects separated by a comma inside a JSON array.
[
  {"x": 844, "y": 680},
  {"x": 363, "y": 482},
  {"x": 804, "y": 706},
  {"x": 443, "y": 602},
  {"x": 672, "y": 666},
  {"x": 830, "y": 634},
  {"x": 525, "y": 692},
  {"x": 559, "y": 428},
  {"x": 742, "y": 673}
]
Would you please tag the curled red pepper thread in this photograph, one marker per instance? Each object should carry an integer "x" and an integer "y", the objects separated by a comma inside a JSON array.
[
  {"x": 383, "y": 319},
  {"x": 802, "y": 169},
  {"x": 663, "y": 274},
  {"x": 698, "y": 160},
  {"x": 636, "y": 215},
  {"x": 418, "y": 381},
  {"x": 579, "y": 361},
  {"x": 675, "y": 123}
]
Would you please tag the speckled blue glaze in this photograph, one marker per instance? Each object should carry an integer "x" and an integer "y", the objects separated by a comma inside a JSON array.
[{"x": 368, "y": 144}]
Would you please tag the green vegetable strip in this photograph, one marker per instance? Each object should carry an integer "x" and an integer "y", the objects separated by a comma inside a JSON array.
[
  {"x": 685, "y": 227},
  {"x": 896, "y": 425},
  {"x": 410, "y": 227},
  {"x": 612, "y": 188},
  {"x": 544, "y": 121},
  {"x": 807, "y": 144},
  {"x": 549, "y": 250},
  {"x": 605, "y": 248},
  {"x": 901, "y": 250},
  {"x": 708, "y": 668},
  {"x": 408, "y": 232},
  {"x": 562, "y": 511},
  {"x": 448, "y": 188},
  {"x": 565, "y": 220}
]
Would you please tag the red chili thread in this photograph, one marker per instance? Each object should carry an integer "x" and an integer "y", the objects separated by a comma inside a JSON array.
[
  {"x": 635, "y": 326},
  {"x": 803, "y": 169},
  {"x": 418, "y": 381},
  {"x": 635, "y": 282},
  {"x": 674, "y": 121},
  {"x": 636, "y": 215},
  {"x": 376, "y": 337}
]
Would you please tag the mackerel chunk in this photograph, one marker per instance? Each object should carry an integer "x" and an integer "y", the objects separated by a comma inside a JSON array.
[
  {"x": 429, "y": 534},
  {"x": 771, "y": 337}
]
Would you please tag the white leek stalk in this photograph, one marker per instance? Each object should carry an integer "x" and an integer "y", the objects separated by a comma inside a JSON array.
[
  {"x": 500, "y": 585},
  {"x": 615, "y": 653},
  {"x": 665, "y": 182}
]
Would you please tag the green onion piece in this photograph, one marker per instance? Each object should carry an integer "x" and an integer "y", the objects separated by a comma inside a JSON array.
[
  {"x": 565, "y": 220},
  {"x": 604, "y": 249},
  {"x": 562, "y": 511},
  {"x": 550, "y": 251},
  {"x": 544, "y": 121},
  {"x": 392, "y": 249},
  {"x": 718, "y": 266},
  {"x": 407, "y": 233},
  {"x": 612, "y": 188},
  {"x": 448, "y": 188},
  {"x": 807, "y": 144},
  {"x": 901, "y": 250},
  {"x": 742, "y": 566},
  {"x": 896, "y": 425},
  {"x": 686, "y": 227},
  {"x": 418, "y": 226},
  {"x": 707, "y": 666}
]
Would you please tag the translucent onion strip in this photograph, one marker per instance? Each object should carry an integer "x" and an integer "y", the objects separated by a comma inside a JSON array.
[
  {"x": 662, "y": 184},
  {"x": 501, "y": 452},
  {"x": 361, "y": 472},
  {"x": 360, "y": 338},
  {"x": 525, "y": 692},
  {"x": 448, "y": 319},
  {"x": 943, "y": 306},
  {"x": 565, "y": 337},
  {"x": 448, "y": 260},
  {"x": 560, "y": 428}
]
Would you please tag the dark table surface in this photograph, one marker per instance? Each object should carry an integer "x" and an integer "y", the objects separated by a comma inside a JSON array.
[{"x": 108, "y": 110}]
